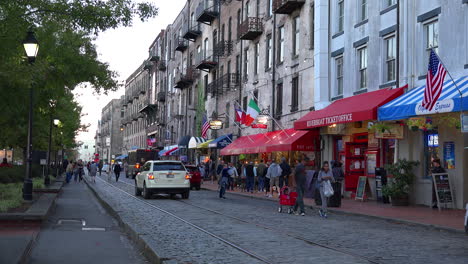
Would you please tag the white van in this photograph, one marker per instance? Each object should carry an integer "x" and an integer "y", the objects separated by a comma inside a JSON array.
[{"x": 163, "y": 176}]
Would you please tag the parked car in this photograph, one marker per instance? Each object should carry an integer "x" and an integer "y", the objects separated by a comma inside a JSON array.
[
  {"x": 163, "y": 176},
  {"x": 136, "y": 159},
  {"x": 466, "y": 219},
  {"x": 195, "y": 179}
]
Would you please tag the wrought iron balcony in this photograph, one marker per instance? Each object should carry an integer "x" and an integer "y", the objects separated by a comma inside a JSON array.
[
  {"x": 205, "y": 61},
  {"x": 192, "y": 31},
  {"x": 181, "y": 45},
  {"x": 154, "y": 58},
  {"x": 286, "y": 6},
  {"x": 207, "y": 11},
  {"x": 223, "y": 48},
  {"x": 184, "y": 80},
  {"x": 250, "y": 29},
  {"x": 229, "y": 82},
  {"x": 161, "y": 97},
  {"x": 162, "y": 65},
  {"x": 212, "y": 88}
]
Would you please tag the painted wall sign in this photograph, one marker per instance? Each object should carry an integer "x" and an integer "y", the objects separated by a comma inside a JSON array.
[
  {"x": 325, "y": 121},
  {"x": 449, "y": 155},
  {"x": 443, "y": 106}
]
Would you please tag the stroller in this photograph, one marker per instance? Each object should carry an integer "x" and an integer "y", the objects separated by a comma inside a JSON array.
[{"x": 287, "y": 198}]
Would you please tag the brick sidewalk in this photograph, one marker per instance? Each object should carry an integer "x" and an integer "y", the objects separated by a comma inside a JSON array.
[{"x": 445, "y": 219}]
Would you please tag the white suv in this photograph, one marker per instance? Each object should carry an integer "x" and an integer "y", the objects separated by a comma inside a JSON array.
[{"x": 162, "y": 176}]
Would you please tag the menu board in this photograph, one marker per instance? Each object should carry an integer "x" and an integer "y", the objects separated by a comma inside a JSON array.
[
  {"x": 443, "y": 189},
  {"x": 361, "y": 187}
]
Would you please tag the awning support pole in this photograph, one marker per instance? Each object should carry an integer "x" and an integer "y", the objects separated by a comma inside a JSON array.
[{"x": 234, "y": 121}]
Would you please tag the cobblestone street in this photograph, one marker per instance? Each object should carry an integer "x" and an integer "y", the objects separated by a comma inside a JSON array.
[{"x": 256, "y": 226}]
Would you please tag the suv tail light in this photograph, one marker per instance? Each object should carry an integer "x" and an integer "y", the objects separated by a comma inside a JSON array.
[
  {"x": 137, "y": 166},
  {"x": 187, "y": 176},
  {"x": 150, "y": 176}
]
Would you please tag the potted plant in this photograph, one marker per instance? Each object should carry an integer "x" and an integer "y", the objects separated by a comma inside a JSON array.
[
  {"x": 380, "y": 127},
  {"x": 399, "y": 185}
]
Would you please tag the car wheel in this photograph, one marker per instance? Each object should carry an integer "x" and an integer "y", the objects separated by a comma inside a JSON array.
[
  {"x": 146, "y": 193},
  {"x": 185, "y": 195},
  {"x": 137, "y": 191}
]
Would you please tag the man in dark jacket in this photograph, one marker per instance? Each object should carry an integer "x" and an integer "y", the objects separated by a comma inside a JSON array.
[
  {"x": 300, "y": 177},
  {"x": 117, "y": 170},
  {"x": 250, "y": 176},
  {"x": 286, "y": 171}
]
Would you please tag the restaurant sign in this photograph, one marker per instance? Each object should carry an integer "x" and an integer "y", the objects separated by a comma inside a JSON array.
[{"x": 443, "y": 106}]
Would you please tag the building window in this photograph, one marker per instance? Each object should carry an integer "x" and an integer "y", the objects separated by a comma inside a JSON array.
[
  {"x": 387, "y": 3},
  {"x": 431, "y": 39},
  {"x": 244, "y": 103},
  {"x": 246, "y": 64},
  {"x": 205, "y": 48},
  {"x": 205, "y": 81},
  {"x": 279, "y": 99},
  {"x": 362, "y": 56},
  {"x": 246, "y": 10},
  {"x": 269, "y": 53},
  {"x": 312, "y": 26},
  {"x": 295, "y": 94},
  {"x": 340, "y": 17},
  {"x": 280, "y": 44},
  {"x": 257, "y": 58},
  {"x": 257, "y": 9},
  {"x": 239, "y": 18},
  {"x": 230, "y": 29},
  {"x": 270, "y": 8},
  {"x": 339, "y": 76},
  {"x": 390, "y": 59},
  {"x": 228, "y": 108},
  {"x": 362, "y": 10},
  {"x": 238, "y": 65},
  {"x": 296, "y": 36}
]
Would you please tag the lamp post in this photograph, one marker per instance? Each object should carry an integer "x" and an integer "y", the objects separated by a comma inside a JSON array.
[
  {"x": 54, "y": 122},
  {"x": 31, "y": 47}
]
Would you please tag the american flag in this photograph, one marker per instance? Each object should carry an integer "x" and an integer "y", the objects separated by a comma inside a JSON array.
[
  {"x": 434, "y": 81},
  {"x": 205, "y": 127}
]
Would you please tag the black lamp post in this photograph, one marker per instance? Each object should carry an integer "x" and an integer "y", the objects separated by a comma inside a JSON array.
[
  {"x": 55, "y": 122},
  {"x": 31, "y": 46}
]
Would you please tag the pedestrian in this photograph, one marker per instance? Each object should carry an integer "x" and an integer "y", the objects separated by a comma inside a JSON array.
[
  {"x": 65, "y": 165},
  {"x": 223, "y": 182},
  {"x": 324, "y": 175},
  {"x": 300, "y": 178},
  {"x": 267, "y": 180},
  {"x": 100, "y": 164},
  {"x": 213, "y": 171},
  {"x": 69, "y": 172},
  {"x": 233, "y": 175},
  {"x": 80, "y": 166},
  {"x": 273, "y": 173},
  {"x": 250, "y": 173},
  {"x": 93, "y": 168},
  {"x": 106, "y": 169},
  {"x": 117, "y": 170},
  {"x": 5, "y": 164},
  {"x": 125, "y": 167},
  {"x": 338, "y": 175},
  {"x": 286, "y": 171},
  {"x": 201, "y": 167},
  {"x": 261, "y": 171},
  {"x": 207, "y": 170},
  {"x": 219, "y": 170}
]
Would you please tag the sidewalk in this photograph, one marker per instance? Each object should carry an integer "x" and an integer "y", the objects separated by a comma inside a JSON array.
[
  {"x": 80, "y": 231},
  {"x": 423, "y": 215}
]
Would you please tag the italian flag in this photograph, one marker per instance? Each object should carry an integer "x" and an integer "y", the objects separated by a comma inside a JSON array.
[{"x": 252, "y": 112}]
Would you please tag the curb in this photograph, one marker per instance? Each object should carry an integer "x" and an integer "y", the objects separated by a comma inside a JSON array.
[
  {"x": 340, "y": 212},
  {"x": 141, "y": 244}
]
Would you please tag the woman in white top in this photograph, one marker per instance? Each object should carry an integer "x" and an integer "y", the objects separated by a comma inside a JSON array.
[{"x": 324, "y": 175}]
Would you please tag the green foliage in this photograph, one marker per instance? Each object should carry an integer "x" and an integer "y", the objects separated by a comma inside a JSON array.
[
  {"x": 10, "y": 196},
  {"x": 67, "y": 58},
  {"x": 17, "y": 173},
  {"x": 403, "y": 176}
]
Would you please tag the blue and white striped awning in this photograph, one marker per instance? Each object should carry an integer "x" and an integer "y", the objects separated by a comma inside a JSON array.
[
  {"x": 409, "y": 104},
  {"x": 194, "y": 141}
]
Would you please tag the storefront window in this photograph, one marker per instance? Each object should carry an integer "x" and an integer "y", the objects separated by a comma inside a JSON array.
[
  {"x": 431, "y": 147},
  {"x": 389, "y": 151}
]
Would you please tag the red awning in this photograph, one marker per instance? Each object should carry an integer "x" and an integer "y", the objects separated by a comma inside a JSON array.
[
  {"x": 287, "y": 140},
  {"x": 350, "y": 109}
]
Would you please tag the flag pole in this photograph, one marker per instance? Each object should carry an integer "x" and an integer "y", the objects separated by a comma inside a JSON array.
[
  {"x": 456, "y": 86},
  {"x": 280, "y": 126},
  {"x": 231, "y": 119}
]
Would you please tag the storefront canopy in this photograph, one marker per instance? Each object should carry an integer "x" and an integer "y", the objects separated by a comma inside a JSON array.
[
  {"x": 350, "y": 109},
  {"x": 287, "y": 140},
  {"x": 409, "y": 104},
  {"x": 121, "y": 157},
  {"x": 194, "y": 141},
  {"x": 168, "y": 152},
  {"x": 184, "y": 141},
  {"x": 221, "y": 141},
  {"x": 204, "y": 144}
]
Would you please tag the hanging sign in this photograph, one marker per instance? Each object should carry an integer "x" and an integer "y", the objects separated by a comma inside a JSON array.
[
  {"x": 216, "y": 124},
  {"x": 394, "y": 131},
  {"x": 443, "y": 190},
  {"x": 449, "y": 155}
]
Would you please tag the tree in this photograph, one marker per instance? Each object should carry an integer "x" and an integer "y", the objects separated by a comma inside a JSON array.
[{"x": 67, "y": 58}]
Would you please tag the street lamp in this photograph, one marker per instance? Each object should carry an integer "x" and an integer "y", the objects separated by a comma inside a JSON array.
[
  {"x": 56, "y": 122},
  {"x": 31, "y": 47}
]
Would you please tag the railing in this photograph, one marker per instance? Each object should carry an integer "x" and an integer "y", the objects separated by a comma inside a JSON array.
[
  {"x": 286, "y": 6},
  {"x": 162, "y": 65},
  {"x": 182, "y": 44},
  {"x": 251, "y": 28},
  {"x": 192, "y": 30},
  {"x": 205, "y": 60},
  {"x": 161, "y": 96},
  {"x": 223, "y": 48},
  {"x": 185, "y": 79},
  {"x": 207, "y": 11}
]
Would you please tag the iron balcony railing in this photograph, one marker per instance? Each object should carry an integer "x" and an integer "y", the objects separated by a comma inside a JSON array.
[
  {"x": 223, "y": 48},
  {"x": 250, "y": 29},
  {"x": 185, "y": 79},
  {"x": 192, "y": 31},
  {"x": 286, "y": 6},
  {"x": 205, "y": 61},
  {"x": 207, "y": 11}
]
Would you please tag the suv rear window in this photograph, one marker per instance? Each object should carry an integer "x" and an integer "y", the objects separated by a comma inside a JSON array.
[{"x": 165, "y": 166}]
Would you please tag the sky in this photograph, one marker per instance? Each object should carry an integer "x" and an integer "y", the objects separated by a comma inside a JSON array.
[{"x": 124, "y": 49}]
